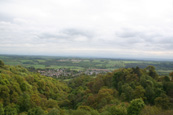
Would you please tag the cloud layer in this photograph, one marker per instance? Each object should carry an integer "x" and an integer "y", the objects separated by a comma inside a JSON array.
[{"x": 94, "y": 28}]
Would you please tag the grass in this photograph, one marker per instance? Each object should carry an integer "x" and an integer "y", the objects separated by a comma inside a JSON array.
[
  {"x": 12, "y": 63},
  {"x": 164, "y": 72},
  {"x": 86, "y": 61},
  {"x": 26, "y": 61},
  {"x": 41, "y": 61},
  {"x": 71, "y": 67},
  {"x": 96, "y": 61},
  {"x": 162, "y": 68},
  {"x": 36, "y": 66}
]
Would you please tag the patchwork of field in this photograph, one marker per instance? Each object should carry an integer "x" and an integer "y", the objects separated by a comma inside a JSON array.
[{"x": 43, "y": 62}]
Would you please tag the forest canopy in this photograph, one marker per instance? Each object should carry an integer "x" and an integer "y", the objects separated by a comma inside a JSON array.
[{"x": 125, "y": 91}]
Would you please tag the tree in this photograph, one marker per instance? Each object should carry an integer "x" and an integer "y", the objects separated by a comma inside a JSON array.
[
  {"x": 150, "y": 94},
  {"x": 89, "y": 109},
  {"x": 139, "y": 92},
  {"x": 24, "y": 86},
  {"x": 137, "y": 71},
  {"x": 1, "y": 63},
  {"x": 168, "y": 87},
  {"x": 105, "y": 96},
  {"x": 80, "y": 112},
  {"x": 54, "y": 111},
  {"x": 4, "y": 94},
  {"x": 117, "y": 77},
  {"x": 171, "y": 75},
  {"x": 24, "y": 102},
  {"x": 94, "y": 112},
  {"x": 36, "y": 111},
  {"x": 13, "y": 97},
  {"x": 1, "y": 109},
  {"x": 118, "y": 110},
  {"x": 52, "y": 104},
  {"x": 135, "y": 107},
  {"x": 128, "y": 92},
  {"x": 152, "y": 72},
  {"x": 162, "y": 101},
  {"x": 166, "y": 79},
  {"x": 105, "y": 113},
  {"x": 35, "y": 100},
  {"x": 10, "y": 110}
]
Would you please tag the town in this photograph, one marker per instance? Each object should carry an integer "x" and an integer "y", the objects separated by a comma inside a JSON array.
[{"x": 68, "y": 73}]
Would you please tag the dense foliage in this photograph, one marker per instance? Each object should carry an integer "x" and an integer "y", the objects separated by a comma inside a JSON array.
[{"x": 126, "y": 91}]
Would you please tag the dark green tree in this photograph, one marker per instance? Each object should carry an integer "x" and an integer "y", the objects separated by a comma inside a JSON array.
[
  {"x": 118, "y": 110},
  {"x": 54, "y": 111},
  {"x": 24, "y": 102},
  {"x": 1, "y": 63},
  {"x": 135, "y": 107},
  {"x": 10, "y": 110},
  {"x": 139, "y": 92},
  {"x": 36, "y": 111},
  {"x": 152, "y": 72},
  {"x": 1, "y": 109},
  {"x": 128, "y": 92},
  {"x": 162, "y": 101}
]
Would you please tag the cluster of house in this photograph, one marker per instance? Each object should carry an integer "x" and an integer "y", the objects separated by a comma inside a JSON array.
[
  {"x": 73, "y": 73},
  {"x": 96, "y": 71}
]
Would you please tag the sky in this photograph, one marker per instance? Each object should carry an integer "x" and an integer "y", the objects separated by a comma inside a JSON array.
[{"x": 88, "y": 28}]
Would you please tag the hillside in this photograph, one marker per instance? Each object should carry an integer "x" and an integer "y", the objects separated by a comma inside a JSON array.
[{"x": 126, "y": 91}]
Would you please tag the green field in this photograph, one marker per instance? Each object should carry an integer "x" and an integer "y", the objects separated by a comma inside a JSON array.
[{"x": 43, "y": 62}]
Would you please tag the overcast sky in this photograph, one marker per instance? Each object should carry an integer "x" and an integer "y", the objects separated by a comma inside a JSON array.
[{"x": 92, "y": 28}]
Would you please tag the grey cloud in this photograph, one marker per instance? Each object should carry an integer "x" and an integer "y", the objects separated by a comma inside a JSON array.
[
  {"x": 140, "y": 35},
  {"x": 49, "y": 36},
  {"x": 167, "y": 40},
  {"x": 129, "y": 38},
  {"x": 75, "y": 32},
  {"x": 66, "y": 34},
  {"x": 128, "y": 34},
  {"x": 5, "y": 17}
]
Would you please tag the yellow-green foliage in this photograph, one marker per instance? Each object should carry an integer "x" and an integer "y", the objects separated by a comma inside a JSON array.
[
  {"x": 153, "y": 110},
  {"x": 27, "y": 90},
  {"x": 26, "y": 93}
]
